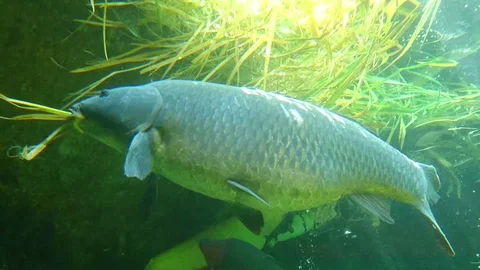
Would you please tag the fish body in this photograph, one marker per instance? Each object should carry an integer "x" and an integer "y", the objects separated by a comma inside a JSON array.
[
  {"x": 260, "y": 149},
  {"x": 235, "y": 254}
]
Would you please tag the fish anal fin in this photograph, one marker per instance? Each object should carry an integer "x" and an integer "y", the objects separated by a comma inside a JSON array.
[
  {"x": 248, "y": 191},
  {"x": 376, "y": 205},
  {"x": 431, "y": 175},
  {"x": 439, "y": 235},
  {"x": 139, "y": 160},
  {"x": 432, "y": 181}
]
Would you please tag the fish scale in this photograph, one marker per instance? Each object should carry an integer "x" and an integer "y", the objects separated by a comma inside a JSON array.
[
  {"x": 263, "y": 150},
  {"x": 283, "y": 167}
]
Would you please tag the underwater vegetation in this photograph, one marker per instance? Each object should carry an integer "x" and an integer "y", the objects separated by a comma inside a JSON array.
[{"x": 312, "y": 50}]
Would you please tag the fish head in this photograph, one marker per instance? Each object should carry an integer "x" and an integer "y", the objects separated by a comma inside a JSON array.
[
  {"x": 114, "y": 116},
  {"x": 122, "y": 109}
]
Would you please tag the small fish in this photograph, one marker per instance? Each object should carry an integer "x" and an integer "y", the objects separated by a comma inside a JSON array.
[
  {"x": 235, "y": 254},
  {"x": 259, "y": 149}
]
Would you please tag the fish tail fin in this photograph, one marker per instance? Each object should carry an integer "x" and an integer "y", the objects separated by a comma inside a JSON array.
[
  {"x": 441, "y": 238},
  {"x": 432, "y": 197},
  {"x": 433, "y": 182}
]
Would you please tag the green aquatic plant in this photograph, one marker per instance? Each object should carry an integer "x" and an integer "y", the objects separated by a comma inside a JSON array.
[
  {"x": 314, "y": 49},
  {"x": 46, "y": 114}
]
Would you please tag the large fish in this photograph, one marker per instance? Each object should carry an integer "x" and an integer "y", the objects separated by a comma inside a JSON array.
[{"x": 259, "y": 149}]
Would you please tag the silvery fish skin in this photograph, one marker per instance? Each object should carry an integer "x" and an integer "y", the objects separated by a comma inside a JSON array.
[{"x": 286, "y": 154}]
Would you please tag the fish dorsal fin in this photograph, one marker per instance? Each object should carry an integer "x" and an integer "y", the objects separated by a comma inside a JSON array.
[
  {"x": 376, "y": 205},
  {"x": 441, "y": 238},
  {"x": 431, "y": 175},
  {"x": 248, "y": 191},
  {"x": 139, "y": 160}
]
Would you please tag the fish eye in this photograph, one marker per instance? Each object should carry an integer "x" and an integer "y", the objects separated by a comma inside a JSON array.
[{"x": 103, "y": 93}]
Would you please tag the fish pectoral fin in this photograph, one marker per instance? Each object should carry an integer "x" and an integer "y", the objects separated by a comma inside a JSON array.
[
  {"x": 139, "y": 160},
  {"x": 441, "y": 238},
  {"x": 374, "y": 204},
  {"x": 248, "y": 191}
]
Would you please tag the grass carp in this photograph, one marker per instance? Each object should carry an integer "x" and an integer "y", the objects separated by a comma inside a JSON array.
[{"x": 256, "y": 148}]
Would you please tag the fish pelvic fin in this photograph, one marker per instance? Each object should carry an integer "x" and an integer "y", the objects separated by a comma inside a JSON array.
[
  {"x": 440, "y": 236},
  {"x": 375, "y": 204},
  {"x": 248, "y": 191}
]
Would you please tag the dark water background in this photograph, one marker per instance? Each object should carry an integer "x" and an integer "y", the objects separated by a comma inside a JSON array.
[{"x": 71, "y": 208}]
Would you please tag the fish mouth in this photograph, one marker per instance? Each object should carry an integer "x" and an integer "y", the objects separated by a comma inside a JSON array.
[{"x": 76, "y": 110}]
